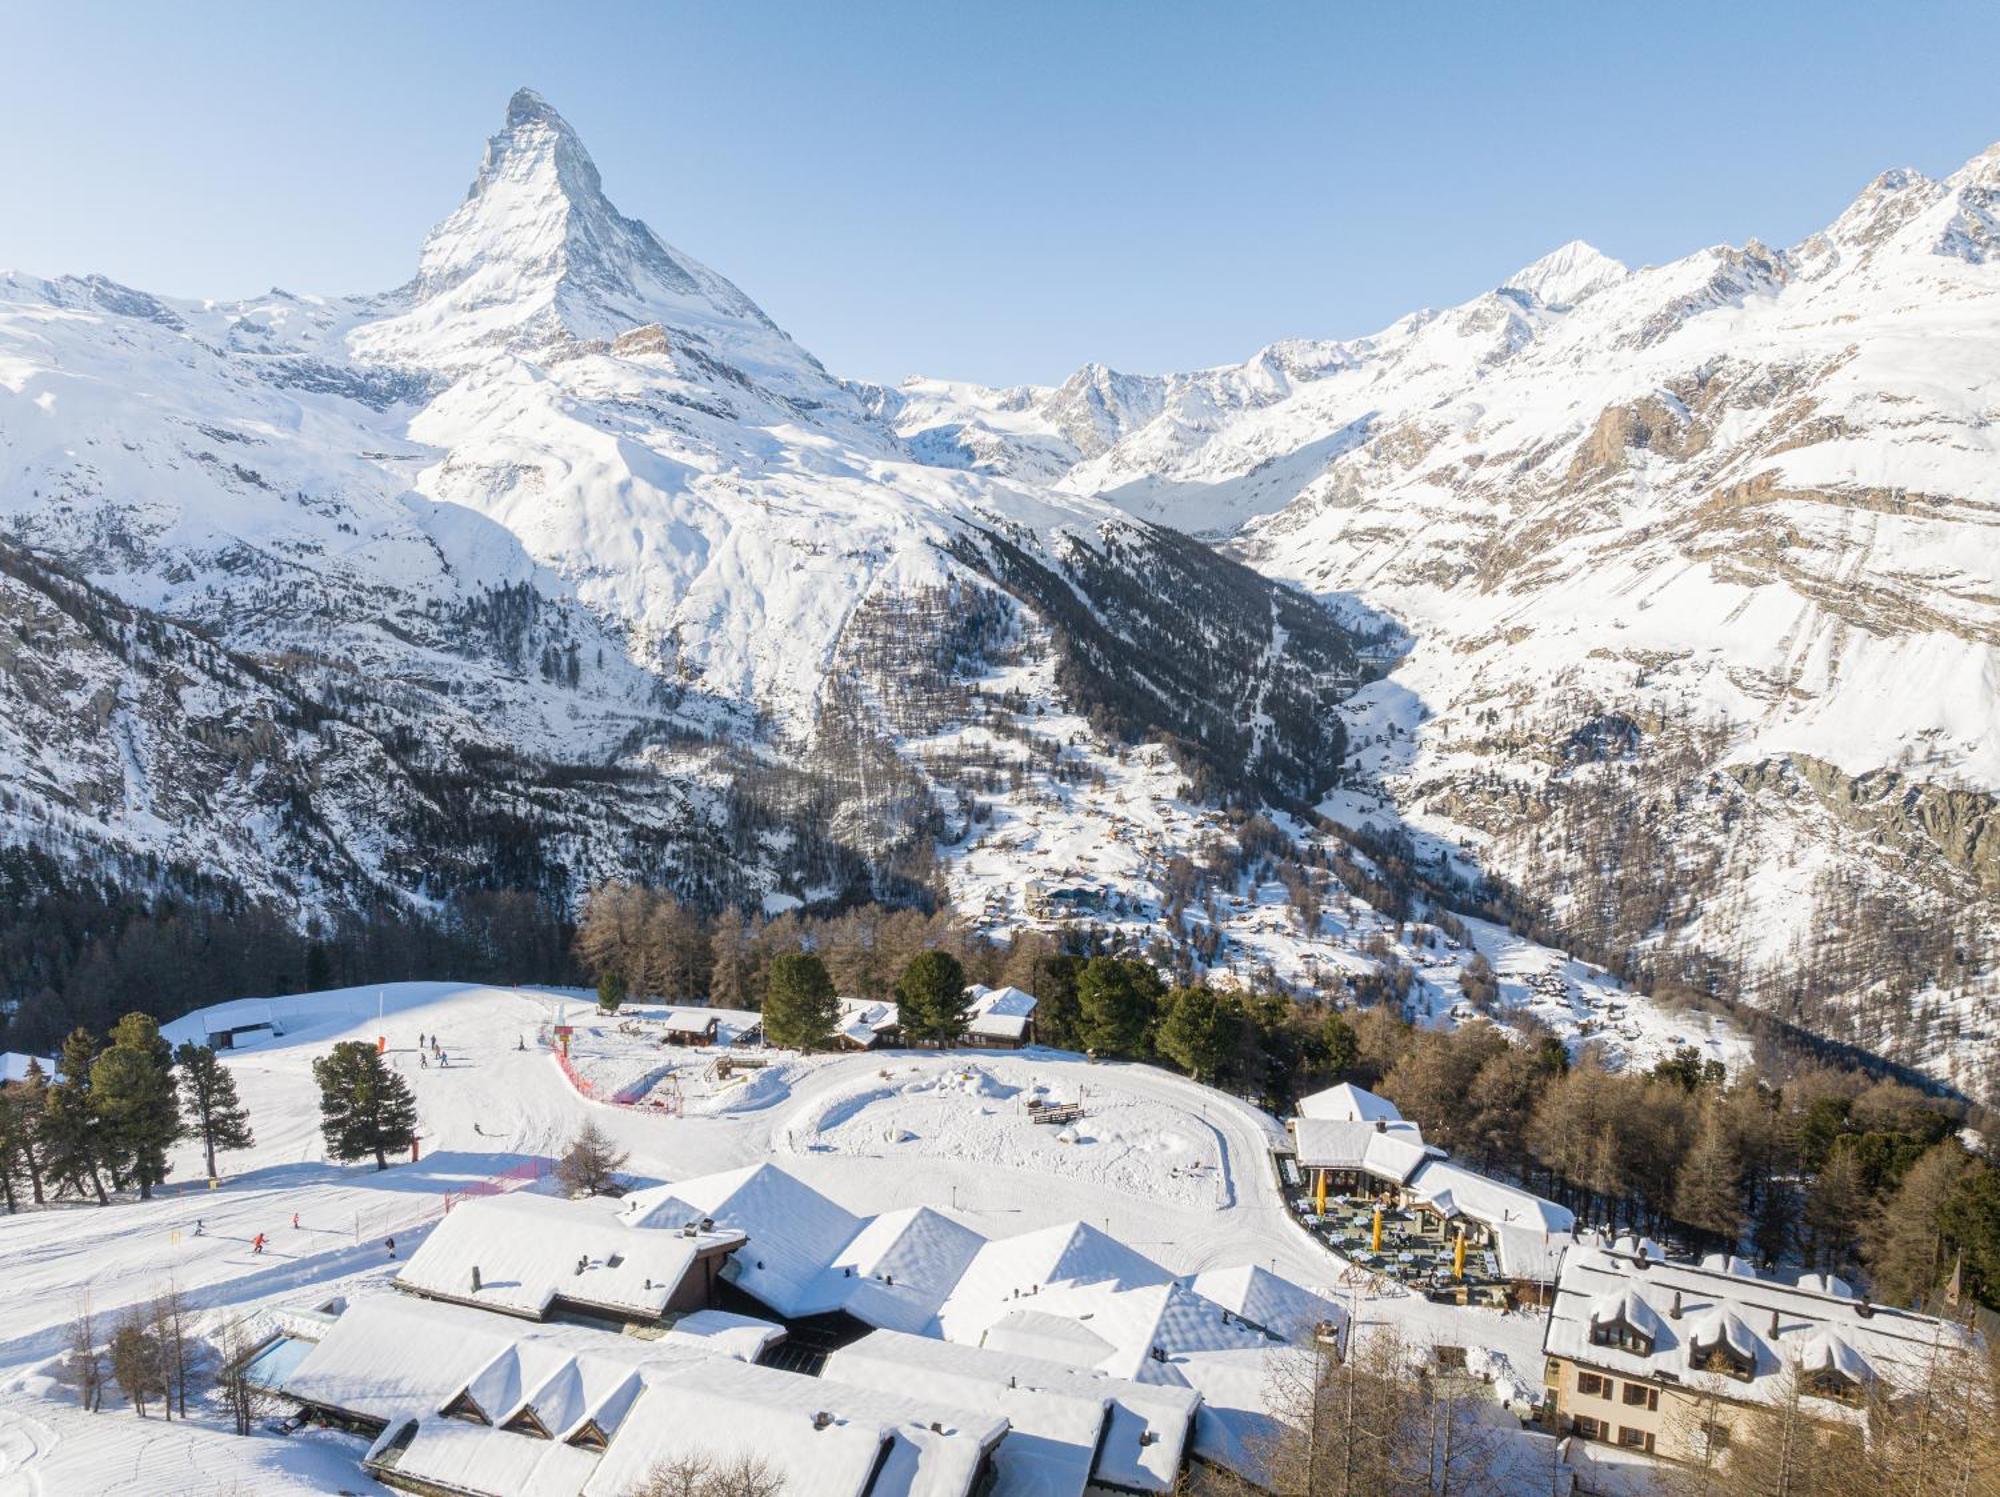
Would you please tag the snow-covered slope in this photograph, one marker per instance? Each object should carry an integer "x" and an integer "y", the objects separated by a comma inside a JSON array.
[
  {"x": 570, "y": 496},
  {"x": 1701, "y": 568}
]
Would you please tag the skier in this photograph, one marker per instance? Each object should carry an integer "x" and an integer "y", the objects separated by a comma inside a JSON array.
[
  {"x": 444, "y": 1061},
  {"x": 295, "y": 1221},
  {"x": 198, "y": 1228},
  {"x": 257, "y": 1243},
  {"x": 520, "y": 1042},
  {"x": 390, "y": 1244},
  {"x": 423, "y": 1060}
]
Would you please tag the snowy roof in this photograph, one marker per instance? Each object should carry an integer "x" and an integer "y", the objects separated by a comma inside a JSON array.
[
  {"x": 1006, "y": 1272},
  {"x": 743, "y": 1337},
  {"x": 863, "y": 1020},
  {"x": 1389, "y": 1151},
  {"x": 794, "y": 1231},
  {"x": 1274, "y": 1304},
  {"x": 821, "y": 1438},
  {"x": 1770, "y": 1326},
  {"x": 1142, "y": 1444},
  {"x": 530, "y": 1250},
  {"x": 461, "y": 1456},
  {"x": 1001, "y": 1013},
  {"x": 899, "y": 1268},
  {"x": 689, "y": 1021},
  {"x": 1052, "y": 1433},
  {"x": 1348, "y": 1103}
]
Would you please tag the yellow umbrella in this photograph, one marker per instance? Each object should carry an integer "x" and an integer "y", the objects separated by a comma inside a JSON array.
[
  {"x": 1319, "y": 1198},
  {"x": 1458, "y": 1256},
  {"x": 1376, "y": 1244}
]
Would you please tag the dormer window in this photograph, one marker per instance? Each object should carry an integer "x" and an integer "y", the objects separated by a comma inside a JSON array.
[
  {"x": 1828, "y": 1382},
  {"x": 465, "y": 1407},
  {"x": 1723, "y": 1358},
  {"x": 528, "y": 1422},
  {"x": 1621, "y": 1334}
]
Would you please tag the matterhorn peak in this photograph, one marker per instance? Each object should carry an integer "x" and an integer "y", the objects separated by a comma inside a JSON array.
[
  {"x": 536, "y": 256},
  {"x": 1567, "y": 275}
]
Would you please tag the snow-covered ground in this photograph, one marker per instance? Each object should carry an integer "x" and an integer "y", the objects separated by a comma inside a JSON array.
[{"x": 1180, "y": 1171}]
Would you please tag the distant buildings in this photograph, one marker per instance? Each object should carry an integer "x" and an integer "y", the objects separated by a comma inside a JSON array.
[
  {"x": 1668, "y": 1358},
  {"x": 998, "y": 1019}
]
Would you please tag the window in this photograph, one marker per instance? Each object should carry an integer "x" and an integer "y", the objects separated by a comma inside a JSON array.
[
  {"x": 1826, "y": 1383},
  {"x": 1634, "y": 1439},
  {"x": 1590, "y": 1385},
  {"x": 1617, "y": 1333},
  {"x": 1638, "y": 1393},
  {"x": 1717, "y": 1435},
  {"x": 1587, "y": 1428}
]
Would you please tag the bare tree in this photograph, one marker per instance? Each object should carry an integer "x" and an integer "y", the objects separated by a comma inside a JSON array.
[
  {"x": 590, "y": 1165},
  {"x": 243, "y": 1398},
  {"x": 181, "y": 1356},
  {"x": 704, "y": 1475},
  {"x": 82, "y": 1365},
  {"x": 136, "y": 1361}
]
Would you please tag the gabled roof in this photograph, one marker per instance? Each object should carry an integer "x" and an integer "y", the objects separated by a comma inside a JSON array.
[
  {"x": 1012, "y": 1270},
  {"x": 1347, "y": 1103},
  {"x": 999, "y": 1013},
  {"x": 1782, "y": 1324},
  {"x": 794, "y": 1231},
  {"x": 1255, "y": 1294},
  {"x": 899, "y": 1268},
  {"x": 530, "y": 1250},
  {"x": 1147, "y": 1427}
]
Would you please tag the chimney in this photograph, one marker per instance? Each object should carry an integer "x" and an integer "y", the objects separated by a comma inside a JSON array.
[
  {"x": 822, "y": 1419},
  {"x": 475, "y": 1278},
  {"x": 1774, "y": 1320},
  {"x": 1676, "y": 1311},
  {"x": 1381, "y": 1125}
]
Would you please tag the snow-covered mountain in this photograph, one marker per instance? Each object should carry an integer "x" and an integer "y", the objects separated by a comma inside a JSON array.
[
  {"x": 612, "y": 572},
  {"x": 1700, "y": 565}
]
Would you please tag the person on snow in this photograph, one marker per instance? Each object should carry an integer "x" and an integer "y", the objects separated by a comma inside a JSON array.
[
  {"x": 257, "y": 1243},
  {"x": 295, "y": 1221},
  {"x": 390, "y": 1244},
  {"x": 198, "y": 1228}
]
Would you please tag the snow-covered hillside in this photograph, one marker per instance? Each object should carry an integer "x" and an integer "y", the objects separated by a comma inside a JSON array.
[
  {"x": 567, "y": 502},
  {"x": 1699, "y": 566}
]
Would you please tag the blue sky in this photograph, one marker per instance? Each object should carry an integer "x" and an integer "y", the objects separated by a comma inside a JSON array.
[{"x": 989, "y": 192}]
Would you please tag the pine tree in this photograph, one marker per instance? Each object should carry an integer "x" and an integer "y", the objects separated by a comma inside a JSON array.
[
  {"x": 930, "y": 999},
  {"x": 610, "y": 992},
  {"x": 132, "y": 1089},
  {"x": 31, "y": 1095},
  {"x": 800, "y": 1007},
  {"x": 1343, "y": 1046},
  {"x": 208, "y": 1089},
  {"x": 72, "y": 1148},
  {"x": 1119, "y": 998},
  {"x": 1200, "y": 1031},
  {"x": 1058, "y": 1013},
  {"x": 365, "y": 1108}
]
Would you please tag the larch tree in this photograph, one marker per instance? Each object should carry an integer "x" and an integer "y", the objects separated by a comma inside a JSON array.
[
  {"x": 1905, "y": 1241},
  {"x": 365, "y": 1108},
  {"x": 1708, "y": 1187},
  {"x": 208, "y": 1092},
  {"x": 930, "y": 999},
  {"x": 800, "y": 1007},
  {"x": 1119, "y": 998},
  {"x": 590, "y": 1165}
]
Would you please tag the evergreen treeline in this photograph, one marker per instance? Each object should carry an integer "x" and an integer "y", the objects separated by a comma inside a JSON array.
[{"x": 106, "y": 1118}]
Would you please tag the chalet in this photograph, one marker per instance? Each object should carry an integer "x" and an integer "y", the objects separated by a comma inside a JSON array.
[
  {"x": 867, "y": 1025},
  {"x": 690, "y": 1026},
  {"x": 1666, "y": 1358},
  {"x": 1000, "y": 1018},
  {"x": 541, "y": 1258}
]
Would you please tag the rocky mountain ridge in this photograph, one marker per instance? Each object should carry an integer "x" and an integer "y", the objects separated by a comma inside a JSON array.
[{"x": 1699, "y": 569}]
